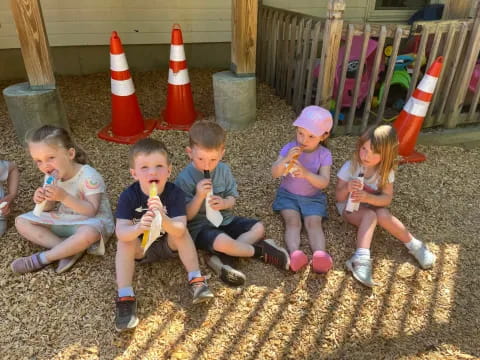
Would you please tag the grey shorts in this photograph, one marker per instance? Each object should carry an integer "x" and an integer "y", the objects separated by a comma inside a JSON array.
[{"x": 158, "y": 251}]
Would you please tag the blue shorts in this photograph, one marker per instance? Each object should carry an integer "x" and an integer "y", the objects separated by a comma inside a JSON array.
[
  {"x": 206, "y": 237},
  {"x": 305, "y": 205}
]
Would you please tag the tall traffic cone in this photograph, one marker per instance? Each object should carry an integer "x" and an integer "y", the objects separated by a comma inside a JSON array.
[
  {"x": 410, "y": 120},
  {"x": 127, "y": 124},
  {"x": 179, "y": 113}
]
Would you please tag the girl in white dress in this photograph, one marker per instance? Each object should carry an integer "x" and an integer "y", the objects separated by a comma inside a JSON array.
[{"x": 76, "y": 212}]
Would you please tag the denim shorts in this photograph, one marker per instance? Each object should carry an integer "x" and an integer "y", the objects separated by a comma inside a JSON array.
[
  {"x": 206, "y": 237},
  {"x": 305, "y": 205}
]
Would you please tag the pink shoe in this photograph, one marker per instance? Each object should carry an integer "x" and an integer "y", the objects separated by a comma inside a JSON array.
[
  {"x": 322, "y": 262},
  {"x": 298, "y": 260}
]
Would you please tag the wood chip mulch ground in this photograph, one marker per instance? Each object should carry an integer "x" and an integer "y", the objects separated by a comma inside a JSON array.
[{"x": 413, "y": 314}]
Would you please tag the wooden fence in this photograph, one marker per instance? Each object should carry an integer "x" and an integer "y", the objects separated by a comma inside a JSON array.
[{"x": 311, "y": 60}]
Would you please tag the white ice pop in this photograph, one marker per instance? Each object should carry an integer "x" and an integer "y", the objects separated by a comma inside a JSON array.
[{"x": 50, "y": 180}]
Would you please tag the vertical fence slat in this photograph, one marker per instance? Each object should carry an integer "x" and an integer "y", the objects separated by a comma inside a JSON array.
[
  {"x": 282, "y": 54},
  {"x": 388, "y": 77},
  {"x": 265, "y": 53},
  {"x": 273, "y": 50},
  {"x": 291, "y": 58},
  {"x": 343, "y": 76},
  {"x": 451, "y": 69},
  {"x": 418, "y": 60},
  {"x": 278, "y": 54},
  {"x": 460, "y": 87},
  {"x": 311, "y": 64},
  {"x": 436, "y": 41},
  {"x": 296, "y": 61},
  {"x": 429, "y": 120},
  {"x": 306, "y": 46},
  {"x": 260, "y": 23},
  {"x": 358, "y": 78},
  {"x": 373, "y": 80},
  {"x": 473, "y": 105}
]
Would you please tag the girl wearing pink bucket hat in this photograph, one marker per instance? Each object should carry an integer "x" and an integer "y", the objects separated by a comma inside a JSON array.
[{"x": 304, "y": 165}]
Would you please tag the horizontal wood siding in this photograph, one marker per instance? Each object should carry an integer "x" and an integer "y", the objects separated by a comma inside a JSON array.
[{"x": 90, "y": 22}]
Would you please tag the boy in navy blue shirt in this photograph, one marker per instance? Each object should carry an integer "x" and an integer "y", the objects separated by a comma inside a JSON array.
[{"x": 149, "y": 164}]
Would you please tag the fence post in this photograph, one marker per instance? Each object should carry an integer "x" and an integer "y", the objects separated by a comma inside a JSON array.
[
  {"x": 461, "y": 85},
  {"x": 330, "y": 47}
]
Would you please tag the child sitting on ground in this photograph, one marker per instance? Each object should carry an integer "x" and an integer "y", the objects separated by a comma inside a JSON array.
[
  {"x": 208, "y": 179},
  {"x": 305, "y": 166},
  {"x": 76, "y": 213},
  {"x": 150, "y": 164},
  {"x": 9, "y": 173},
  {"x": 375, "y": 158}
]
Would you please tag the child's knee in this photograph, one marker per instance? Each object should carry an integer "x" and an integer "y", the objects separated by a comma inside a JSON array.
[
  {"x": 88, "y": 235},
  {"x": 383, "y": 215},
  {"x": 369, "y": 216},
  {"x": 223, "y": 243},
  {"x": 313, "y": 223},
  {"x": 21, "y": 223},
  {"x": 258, "y": 229}
]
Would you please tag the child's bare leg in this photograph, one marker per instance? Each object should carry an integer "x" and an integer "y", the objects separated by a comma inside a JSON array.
[
  {"x": 394, "y": 226},
  {"x": 313, "y": 225},
  {"x": 37, "y": 233},
  {"x": 84, "y": 237},
  {"x": 255, "y": 234},
  {"x": 293, "y": 226},
  {"x": 186, "y": 250},
  {"x": 366, "y": 221},
  {"x": 125, "y": 262},
  {"x": 225, "y": 244}
]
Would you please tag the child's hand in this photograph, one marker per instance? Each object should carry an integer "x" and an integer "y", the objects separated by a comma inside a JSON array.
[
  {"x": 5, "y": 209},
  {"x": 146, "y": 221},
  {"x": 154, "y": 203},
  {"x": 39, "y": 195},
  {"x": 359, "y": 196},
  {"x": 298, "y": 171},
  {"x": 294, "y": 153},
  {"x": 216, "y": 202},
  {"x": 54, "y": 193},
  {"x": 355, "y": 185},
  {"x": 204, "y": 187}
]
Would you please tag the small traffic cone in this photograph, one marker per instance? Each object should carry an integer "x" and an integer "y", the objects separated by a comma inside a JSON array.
[
  {"x": 179, "y": 113},
  {"x": 127, "y": 124},
  {"x": 410, "y": 120}
]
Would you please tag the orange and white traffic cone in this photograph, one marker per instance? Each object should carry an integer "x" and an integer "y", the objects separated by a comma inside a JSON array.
[
  {"x": 180, "y": 112},
  {"x": 409, "y": 122},
  {"x": 127, "y": 124}
]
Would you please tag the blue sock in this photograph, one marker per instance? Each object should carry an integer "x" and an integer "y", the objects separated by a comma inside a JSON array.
[
  {"x": 126, "y": 291},
  {"x": 43, "y": 258},
  {"x": 194, "y": 274}
]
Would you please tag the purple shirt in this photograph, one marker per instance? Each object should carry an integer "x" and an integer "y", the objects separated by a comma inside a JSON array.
[{"x": 313, "y": 162}]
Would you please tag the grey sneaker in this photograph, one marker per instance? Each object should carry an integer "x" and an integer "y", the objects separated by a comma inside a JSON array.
[
  {"x": 66, "y": 263},
  {"x": 425, "y": 257},
  {"x": 126, "y": 313},
  {"x": 227, "y": 273},
  {"x": 361, "y": 270},
  {"x": 200, "y": 290},
  {"x": 27, "y": 264}
]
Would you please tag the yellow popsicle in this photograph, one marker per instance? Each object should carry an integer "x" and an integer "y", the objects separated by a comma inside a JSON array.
[{"x": 153, "y": 192}]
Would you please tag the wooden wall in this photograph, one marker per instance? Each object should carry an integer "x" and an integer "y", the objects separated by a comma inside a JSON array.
[{"x": 90, "y": 22}]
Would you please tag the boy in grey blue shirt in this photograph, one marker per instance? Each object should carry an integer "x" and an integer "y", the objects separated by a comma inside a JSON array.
[{"x": 206, "y": 178}]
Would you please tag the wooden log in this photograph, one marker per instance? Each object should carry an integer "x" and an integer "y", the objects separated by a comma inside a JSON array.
[
  {"x": 244, "y": 37},
  {"x": 28, "y": 18}
]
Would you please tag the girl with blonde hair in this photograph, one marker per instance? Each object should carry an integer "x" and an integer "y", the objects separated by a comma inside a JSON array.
[{"x": 376, "y": 158}]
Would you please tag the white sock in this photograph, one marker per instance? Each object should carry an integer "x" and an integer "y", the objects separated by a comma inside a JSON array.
[
  {"x": 362, "y": 253},
  {"x": 413, "y": 244}
]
